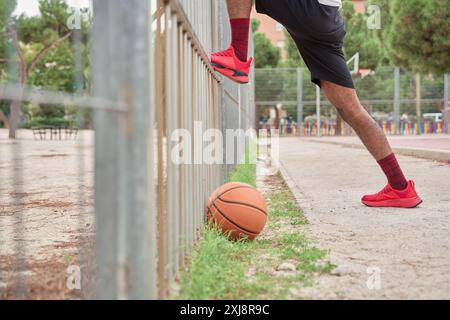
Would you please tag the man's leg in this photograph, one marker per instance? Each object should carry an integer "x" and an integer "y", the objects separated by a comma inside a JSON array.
[
  {"x": 233, "y": 62},
  {"x": 239, "y": 9},
  {"x": 239, "y": 13},
  {"x": 349, "y": 107},
  {"x": 347, "y": 104},
  {"x": 401, "y": 193}
]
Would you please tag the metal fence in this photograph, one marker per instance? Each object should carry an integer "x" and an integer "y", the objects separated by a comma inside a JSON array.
[
  {"x": 402, "y": 102},
  {"x": 150, "y": 76}
]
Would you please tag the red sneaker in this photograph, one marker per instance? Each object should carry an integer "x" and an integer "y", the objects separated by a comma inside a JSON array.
[
  {"x": 226, "y": 63},
  {"x": 389, "y": 197}
]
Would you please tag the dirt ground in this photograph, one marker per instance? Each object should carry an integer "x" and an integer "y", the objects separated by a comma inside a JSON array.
[
  {"x": 46, "y": 214},
  {"x": 379, "y": 253}
]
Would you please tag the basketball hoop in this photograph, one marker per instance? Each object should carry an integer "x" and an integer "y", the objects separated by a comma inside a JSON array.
[{"x": 355, "y": 60}]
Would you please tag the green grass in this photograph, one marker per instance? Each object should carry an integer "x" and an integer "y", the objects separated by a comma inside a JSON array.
[
  {"x": 219, "y": 268},
  {"x": 245, "y": 172},
  {"x": 282, "y": 205},
  {"x": 296, "y": 246}
]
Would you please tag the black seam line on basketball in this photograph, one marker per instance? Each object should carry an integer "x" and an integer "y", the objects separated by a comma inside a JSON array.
[
  {"x": 243, "y": 204},
  {"x": 232, "y": 222},
  {"x": 248, "y": 187},
  {"x": 238, "y": 187}
]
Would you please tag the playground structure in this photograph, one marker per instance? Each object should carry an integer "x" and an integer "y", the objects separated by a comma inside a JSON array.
[
  {"x": 151, "y": 75},
  {"x": 403, "y": 103}
]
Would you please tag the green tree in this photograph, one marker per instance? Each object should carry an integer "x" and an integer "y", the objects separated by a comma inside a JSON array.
[
  {"x": 293, "y": 58},
  {"x": 6, "y": 9},
  {"x": 360, "y": 38},
  {"x": 418, "y": 35},
  {"x": 381, "y": 33},
  {"x": 266, "y": 54},
  {"x": 32, "y": 39}
]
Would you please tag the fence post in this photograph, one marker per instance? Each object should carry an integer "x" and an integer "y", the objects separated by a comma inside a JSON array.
[
  {"x": 418, "y": 102},
  {"x": 446, "y": 90},
  {"x": 446, "y": 115},
  {"x": 397, "y": 100},
  {"x": 318, "y": 111},
  {"x": 124, "y": 189},
  {"x": 299, "y": 101}
]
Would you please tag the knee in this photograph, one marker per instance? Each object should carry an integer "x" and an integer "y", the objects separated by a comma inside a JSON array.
[
  {"x": 345, "y": 100},
  {"x": 348, "y": 109},
  {"x": 352, "y": 112}
]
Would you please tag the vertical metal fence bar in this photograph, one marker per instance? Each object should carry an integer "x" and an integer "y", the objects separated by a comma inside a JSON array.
[
  {"x": 447, "y": 90},
  {"x": 160, "y": 61},
  {"x": 318, "y": 110},
  {"x": 171, "y": 126},
  {"x": 418, "y": 100},
  {"x": 16, "y": 158},
  {"x": 127, "y": 83},
  {"x": 106, "y": 151},
  {"x": 175, "y": 123},
  {"x": 189, "y": 127},
  {"x": 194, "y": 126},
  {"x": 87, "y": 290},
  {"x": 299, "y": 101},
  {"x": 446, "y": 117},
  {"x": 181, "y": 109},
  {"x": 140, "y": 213},
  {"x": 197, "y": 140},
  {"x": 397, "y": 100},
  {"x": 151, "y": 158}
]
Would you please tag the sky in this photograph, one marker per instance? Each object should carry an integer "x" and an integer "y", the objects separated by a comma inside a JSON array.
[{"x": 31, "y": 7}]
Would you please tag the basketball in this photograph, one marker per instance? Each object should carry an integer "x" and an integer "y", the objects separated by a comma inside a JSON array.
[{"x": 238, "y": 209}]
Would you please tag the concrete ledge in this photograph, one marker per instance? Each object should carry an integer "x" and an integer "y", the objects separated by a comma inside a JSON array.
[{"x": 431, "y": 154}]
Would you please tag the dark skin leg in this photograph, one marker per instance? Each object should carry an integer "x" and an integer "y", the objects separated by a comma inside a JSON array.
[
  {"x": 349, "y": 107},
  {"x": 239, "y": 9}
]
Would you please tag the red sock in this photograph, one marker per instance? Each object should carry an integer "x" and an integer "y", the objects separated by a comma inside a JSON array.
[
  {"x": 393, "y": 172},
  {"x": 240, "y": 29}
]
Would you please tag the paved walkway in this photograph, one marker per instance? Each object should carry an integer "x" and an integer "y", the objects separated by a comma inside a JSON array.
[{"x": 408, "y": 251}]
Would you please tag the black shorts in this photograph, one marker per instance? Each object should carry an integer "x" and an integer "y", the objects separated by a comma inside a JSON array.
[{"x": 319, "y": 32}]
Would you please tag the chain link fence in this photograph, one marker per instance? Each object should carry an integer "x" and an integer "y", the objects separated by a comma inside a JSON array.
[
  {"x": 120, "y": 217},
  {"x": 401, "y": 102}
]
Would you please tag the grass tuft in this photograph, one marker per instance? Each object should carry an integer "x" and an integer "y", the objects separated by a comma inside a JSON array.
[
  {"x": 245, "y": 173},
  {"x": 217, "y": 268}
]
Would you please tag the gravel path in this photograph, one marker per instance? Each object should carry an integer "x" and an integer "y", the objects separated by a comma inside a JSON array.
[{"x": 379, "y": 253}]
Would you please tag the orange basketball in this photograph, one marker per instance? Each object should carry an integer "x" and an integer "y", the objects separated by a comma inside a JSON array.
[{"x": 238, "y": 209}]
